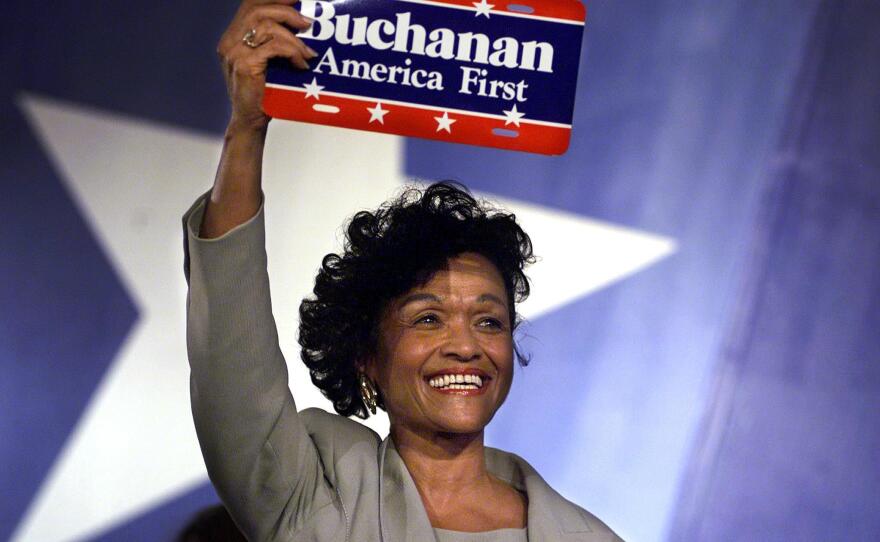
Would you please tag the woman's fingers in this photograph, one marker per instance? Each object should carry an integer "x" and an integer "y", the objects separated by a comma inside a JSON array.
[
  {"x": 281, "y": 14},
  {"x": 274, "y": 40},
  {"x": 252, "y": 14}
]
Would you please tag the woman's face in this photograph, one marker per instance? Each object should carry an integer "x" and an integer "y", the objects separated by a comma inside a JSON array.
[{"x": 455, "y": 328}]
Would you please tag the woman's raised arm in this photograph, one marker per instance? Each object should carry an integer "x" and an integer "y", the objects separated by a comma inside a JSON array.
[
  {"x": 256, "y": 447},
  {"x": 260, "y": 30}
]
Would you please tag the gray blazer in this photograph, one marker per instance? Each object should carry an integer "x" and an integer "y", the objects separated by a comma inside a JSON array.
[{"x": 310, "y": 476}]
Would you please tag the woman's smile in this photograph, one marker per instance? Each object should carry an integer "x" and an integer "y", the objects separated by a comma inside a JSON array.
[{"x": 460, "y": 382}]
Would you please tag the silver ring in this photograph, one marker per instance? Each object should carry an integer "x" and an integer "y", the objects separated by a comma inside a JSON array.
[{"x": 250, "y": 39}]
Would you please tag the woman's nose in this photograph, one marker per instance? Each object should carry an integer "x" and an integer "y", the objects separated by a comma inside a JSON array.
[{"x": 461, "y": 343}]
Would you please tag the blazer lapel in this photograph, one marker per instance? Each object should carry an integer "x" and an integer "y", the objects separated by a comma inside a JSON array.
[
  {"x": 550, "y": 516},
  {"x": 402, "y": 515}
]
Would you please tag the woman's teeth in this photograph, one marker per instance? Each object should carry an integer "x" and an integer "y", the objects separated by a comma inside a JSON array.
[{"x": 456, "y": 382}]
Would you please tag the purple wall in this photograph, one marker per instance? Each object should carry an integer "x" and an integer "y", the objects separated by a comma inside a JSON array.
[{"x": 790, "y": 446}]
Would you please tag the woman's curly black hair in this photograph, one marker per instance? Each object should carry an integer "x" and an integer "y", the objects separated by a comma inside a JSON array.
[{"x": 386, "y": 253}]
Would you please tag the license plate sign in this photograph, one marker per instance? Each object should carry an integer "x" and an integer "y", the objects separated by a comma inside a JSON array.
[{"x": 495, "y": 75}]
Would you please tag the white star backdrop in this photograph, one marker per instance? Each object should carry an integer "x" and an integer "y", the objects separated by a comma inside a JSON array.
[{"x": 132, "y": 180}]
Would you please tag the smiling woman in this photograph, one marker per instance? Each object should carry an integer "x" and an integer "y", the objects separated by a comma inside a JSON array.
[{"x": 416, "y": 315}]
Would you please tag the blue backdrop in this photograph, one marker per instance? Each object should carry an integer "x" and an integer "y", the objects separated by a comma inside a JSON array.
[{"x": 728, "y": 392}]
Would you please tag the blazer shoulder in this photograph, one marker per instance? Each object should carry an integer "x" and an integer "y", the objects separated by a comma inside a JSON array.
[
  {"x": 556, "y": 516},
  {"x": 347, "y": 448},
  {"x": 335, "y": 430}
]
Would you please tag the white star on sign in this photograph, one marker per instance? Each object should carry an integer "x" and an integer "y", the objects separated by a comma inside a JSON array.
[
  {"x": 313, "y": 89},
  {"x": 444, "y": 122},
  {"x": 483, "y": 8},
  {"x": 377, "y": 113},
  {"x": 134, "y": 446},
  {"x": 512, "y": 116}
]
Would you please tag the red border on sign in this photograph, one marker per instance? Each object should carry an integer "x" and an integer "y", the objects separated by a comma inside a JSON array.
[
  {"x": 414, "y": 121},
  {"x": 571, "y": 10}
]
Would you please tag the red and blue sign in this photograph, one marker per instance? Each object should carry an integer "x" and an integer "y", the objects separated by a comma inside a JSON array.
[{"x": 494, "y": 75}]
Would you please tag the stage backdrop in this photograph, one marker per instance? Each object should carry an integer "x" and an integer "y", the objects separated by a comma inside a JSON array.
[{"x": 703, "y": 329}]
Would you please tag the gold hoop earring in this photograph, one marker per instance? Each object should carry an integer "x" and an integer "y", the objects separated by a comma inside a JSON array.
[{"x": 369, "y": 395}]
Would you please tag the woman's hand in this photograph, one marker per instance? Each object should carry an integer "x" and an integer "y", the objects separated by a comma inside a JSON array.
[{"x": 260, "y": 30}]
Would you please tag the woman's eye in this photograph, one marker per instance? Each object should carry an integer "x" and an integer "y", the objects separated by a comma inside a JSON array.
[
  {"x": 491, "y": 323},
  {"x": 427, "y": 319}
]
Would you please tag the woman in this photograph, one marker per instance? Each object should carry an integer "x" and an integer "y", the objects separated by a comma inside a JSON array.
[{"x": 416, "y": 317}]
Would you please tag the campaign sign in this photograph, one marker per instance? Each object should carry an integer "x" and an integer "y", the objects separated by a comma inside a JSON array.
[{"x": 496, "y": 75}]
